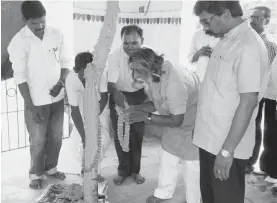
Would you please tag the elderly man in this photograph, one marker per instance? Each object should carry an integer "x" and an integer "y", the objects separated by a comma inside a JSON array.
[
  {"x": 40, "y": 65},
  {"x": 235, "y": 81},
  {"x": 259, "y": 18},
  {"x": 121, "y": 89}
]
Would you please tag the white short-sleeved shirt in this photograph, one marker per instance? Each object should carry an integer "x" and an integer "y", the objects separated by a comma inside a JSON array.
[
  {"x": 238, "y": 64},
  {"x": 75, "y": 89},
  {"x": 175, "y": 94},
  {"x": 119, "y": 71},
  {"x": 199, "y": 40},
  {"x": 39, "y": 62}
]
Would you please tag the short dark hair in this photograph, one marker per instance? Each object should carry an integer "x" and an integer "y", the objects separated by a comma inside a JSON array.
[
  {"x": 82, "y": 59},
  {"x": 32, "y": 9},
  {"x": 267, "y": 11},
  {"x": 218, "y": 7},
  {"x": 131, "y": 28}
]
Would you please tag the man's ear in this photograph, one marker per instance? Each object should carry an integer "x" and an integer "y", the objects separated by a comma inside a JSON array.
[
  {"x": 267, "y": 20},
  {"x": 142, "y": 40}
]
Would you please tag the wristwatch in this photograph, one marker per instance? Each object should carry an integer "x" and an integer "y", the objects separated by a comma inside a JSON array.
[
  {"x": 149, "y": 118},
  {"x": 225, "y": 153}
]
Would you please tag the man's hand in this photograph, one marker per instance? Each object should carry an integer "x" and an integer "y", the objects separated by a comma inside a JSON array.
[
  {"x": 38, "y": 114},
  {"x": 204, "y": 51},
  {"x": 55, "y": 91},
  {"x": 119, "y": 99},
  {"x": 222, "y": 166},
  {"x": 136, "y": 115}
]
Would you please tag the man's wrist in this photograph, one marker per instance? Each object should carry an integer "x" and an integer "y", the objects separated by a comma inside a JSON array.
[
  {"x": 60, "y": 82},
  {"x": 226, "y": 153},
  {"x": 148, "y": 118}
]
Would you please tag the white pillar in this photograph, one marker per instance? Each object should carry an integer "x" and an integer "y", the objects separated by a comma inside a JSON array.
[{"x": 188, "y": 27}]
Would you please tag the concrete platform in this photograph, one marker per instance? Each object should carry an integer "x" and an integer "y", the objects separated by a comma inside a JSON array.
[{"x": 15, "y": 181}]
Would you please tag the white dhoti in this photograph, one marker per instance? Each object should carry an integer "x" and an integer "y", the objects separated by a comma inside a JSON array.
[{"x": 168, "y": 176}]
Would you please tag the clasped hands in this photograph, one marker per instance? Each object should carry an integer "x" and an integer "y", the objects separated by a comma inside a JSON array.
[{"x": 134, "y": 115}]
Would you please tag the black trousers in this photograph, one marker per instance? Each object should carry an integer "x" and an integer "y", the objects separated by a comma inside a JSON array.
[
  {"x": 129, "y": 162},
  {"x": 268, "y": 160},
  {"x": 253, "y": 159},
  {"x": 215, "y": 191}
]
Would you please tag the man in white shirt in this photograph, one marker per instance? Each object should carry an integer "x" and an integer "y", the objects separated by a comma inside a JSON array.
[
  {"x": 269, "y": 155},
  {"x": 40, "y": 65},
  {"x": 75, "y": 88},
  {"x": 259, "y": 18},
  {"x": 200, "y": 51},
  {"x": 121, "y": 89},
  {"x": 235, "y": 81}
]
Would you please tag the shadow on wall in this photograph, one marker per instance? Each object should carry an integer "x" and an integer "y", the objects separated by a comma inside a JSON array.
[{"x": 11, "y": 23}]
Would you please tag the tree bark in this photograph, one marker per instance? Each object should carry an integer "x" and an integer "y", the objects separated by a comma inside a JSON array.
[{"x": 93, "y": 75}]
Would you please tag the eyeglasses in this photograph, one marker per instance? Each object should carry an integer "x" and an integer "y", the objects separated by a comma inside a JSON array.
[
  {"x": 256, "y": 18},
  {"x": 207, "y": 22}
]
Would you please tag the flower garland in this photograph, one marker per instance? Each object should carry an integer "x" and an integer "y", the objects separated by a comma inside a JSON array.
[
  {"x": 99, "y": 149},
  {"x": 99, "y": 136},
  {"x": 123, "y": 133}
]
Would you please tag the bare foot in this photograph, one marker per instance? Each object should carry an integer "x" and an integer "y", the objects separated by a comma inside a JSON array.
[
  {"x": 118, "y": 180},
  {"x": 36, "y": 184},
  {"x": 138, "y": 178},
  {"x": 58, "y": 175}
]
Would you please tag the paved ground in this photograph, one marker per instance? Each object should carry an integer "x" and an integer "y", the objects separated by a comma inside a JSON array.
[{"x": 15, "y": 181}]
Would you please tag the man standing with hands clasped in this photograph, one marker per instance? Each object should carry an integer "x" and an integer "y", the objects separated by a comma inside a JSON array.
[
  {"x": 40, "y": 65},
  {"x": 201, "y": 49},
  {"x": 228, "y": 99},
  {"x": 121, "y": 89}
]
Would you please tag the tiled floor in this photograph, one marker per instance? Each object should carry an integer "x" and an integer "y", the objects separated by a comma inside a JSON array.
[{"x": 15, "y": 180}]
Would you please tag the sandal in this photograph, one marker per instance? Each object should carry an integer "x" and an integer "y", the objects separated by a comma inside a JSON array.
[{"x": 138, "y": 178}]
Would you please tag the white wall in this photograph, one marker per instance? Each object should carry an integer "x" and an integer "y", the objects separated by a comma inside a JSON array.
[{"x": 163, "y": 37}]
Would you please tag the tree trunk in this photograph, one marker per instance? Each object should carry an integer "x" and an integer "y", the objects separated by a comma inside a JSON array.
[{"x": 93, "y": 75}]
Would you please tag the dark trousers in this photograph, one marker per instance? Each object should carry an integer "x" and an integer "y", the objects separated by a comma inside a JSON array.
[
  {"x": 268, "y": 160},
  {"x": 129, "y": 162},
  {"x": 215, "y": 191},
  {"x": 45, "y": 138},
  {"x": 253, "y": 159}
]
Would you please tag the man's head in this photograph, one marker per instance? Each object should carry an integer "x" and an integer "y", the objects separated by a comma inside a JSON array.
[
  {"x": 81, "y": 61},
  {"x": 147, "y": 66},
  {"x": 259, "y": 18},
  {"x": 132, "y": 38},
  {"x": 34, "y": 15},
  {"x": 218, "y": 17}
]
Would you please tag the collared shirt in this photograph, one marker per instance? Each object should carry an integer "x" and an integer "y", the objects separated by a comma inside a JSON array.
[
  {"x": 199, "y": 40},
  {"x": 271, "y": 47},
  {"x": 175, "y": 94},
  {"x": 75, "y": 89},
  {"x": 119, "y": 71},
  {"x": 39, "y": 62},
  {"x": 238, "y": 64},
  {"x": 271, "y": 91}
]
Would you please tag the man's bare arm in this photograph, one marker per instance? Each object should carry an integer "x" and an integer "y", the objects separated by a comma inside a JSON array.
[
  {"x": 147, "y": 106},
  {"x": 24, "y": 90},
  {"x": 78, "y": 121},
  {"x": 244, "y": 112}
]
